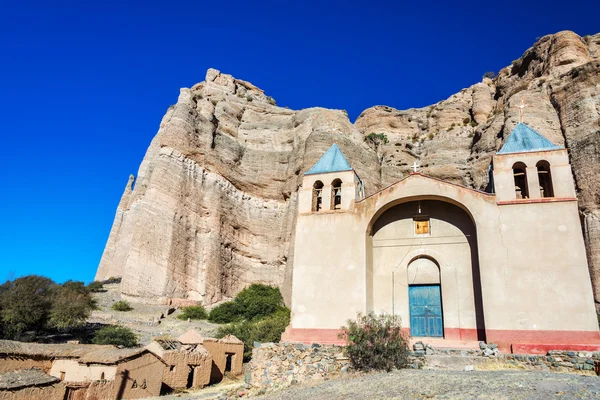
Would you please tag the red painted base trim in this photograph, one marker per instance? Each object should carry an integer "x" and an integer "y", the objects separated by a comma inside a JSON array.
[
  {"x": 530, "y": 340},
  {"x": 540, "y": 348},
  {"x": 466, "y": 335},
  {"x": 509, "y": 341},
  {"x": 309, "y": 336}
]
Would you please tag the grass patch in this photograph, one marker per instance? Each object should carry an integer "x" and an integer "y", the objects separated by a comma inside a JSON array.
[{"x": 121, "y": 305}]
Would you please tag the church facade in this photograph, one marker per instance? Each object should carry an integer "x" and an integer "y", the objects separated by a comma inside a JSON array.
[{"x": 457, "y": 264}]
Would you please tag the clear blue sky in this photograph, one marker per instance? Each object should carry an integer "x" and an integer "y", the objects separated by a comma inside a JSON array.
[{"x": 83, "y": 86}]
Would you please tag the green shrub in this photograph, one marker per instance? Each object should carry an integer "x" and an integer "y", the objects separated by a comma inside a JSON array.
[
  {"x": 473, "y": 123},
  {"x": 376, "y": 342},
  {"x": 25, "y": 304},
  {"x": 121, "y": 305},
  {"x": 265, "y": 330},
  {"x": 71, "y": 305},
  {"x": 116, "y": 335},
  {"x": 193, "y": 312},
  {"x": 112, "y": 279},
  {"x": 225, "y": 313},
  {"x": 377, "y": 138},
  {"x": 256, "y": 301},
  {"x": 491, "y": 74},
  {"x": 95, "y": 286},
  {"x": 34, "y": 304}
]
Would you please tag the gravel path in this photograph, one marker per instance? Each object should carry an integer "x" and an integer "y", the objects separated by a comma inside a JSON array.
[{"x": 423, "y": 384}]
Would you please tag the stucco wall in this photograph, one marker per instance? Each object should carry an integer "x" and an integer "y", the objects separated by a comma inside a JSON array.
[
  {"x": 218, "y": 351},
  {"x": 329, "y": 270},
  {"x": 540, "y": 279},
  {"x": 100, "y": 390},
  {"x": 76, "y": 372},
  {"x": 145, "y": 368},
  {"x": 15, "y": 363},
  {"x": 180, "y": 361}
]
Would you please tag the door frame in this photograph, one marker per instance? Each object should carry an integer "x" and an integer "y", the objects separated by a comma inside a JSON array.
[{"x": 441, "y": 309}]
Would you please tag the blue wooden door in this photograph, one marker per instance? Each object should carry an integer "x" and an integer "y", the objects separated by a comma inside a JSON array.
[{"x": 425, "y": 311}]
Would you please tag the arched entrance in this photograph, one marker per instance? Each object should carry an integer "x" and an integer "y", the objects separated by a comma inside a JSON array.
[
  {"x": 424, "y": 267},
  {"x": 425, "y": 298}
]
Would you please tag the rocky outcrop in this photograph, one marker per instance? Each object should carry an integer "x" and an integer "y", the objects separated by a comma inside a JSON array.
[{"x": 213, "y": 208}]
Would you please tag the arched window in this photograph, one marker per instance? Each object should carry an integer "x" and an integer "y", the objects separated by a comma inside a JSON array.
[
  {"x": 336, "y": 194},
  {"x": 520, "y": 175},
  {"x": 317, "y": 198},
  {"x": 545, "y": 179}
]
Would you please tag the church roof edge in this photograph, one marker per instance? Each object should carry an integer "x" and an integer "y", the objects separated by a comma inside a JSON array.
[{"x": 421, "y": 175}]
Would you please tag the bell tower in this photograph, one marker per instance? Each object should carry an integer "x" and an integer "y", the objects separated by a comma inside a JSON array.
[
  {"x": 531, "y": 169},
  {"x": 331, "y": 185}
]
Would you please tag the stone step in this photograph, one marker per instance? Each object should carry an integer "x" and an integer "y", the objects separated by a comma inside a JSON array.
[{"x": 453, "y": 362}]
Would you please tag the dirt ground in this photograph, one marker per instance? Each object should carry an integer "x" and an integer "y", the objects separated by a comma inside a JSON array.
[
  {"x": 424, "y": 384},
  {"x": 145, "y": 320}
]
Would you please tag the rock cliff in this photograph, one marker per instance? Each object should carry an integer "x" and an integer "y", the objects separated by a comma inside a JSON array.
[{"x": 213, "y": 206}]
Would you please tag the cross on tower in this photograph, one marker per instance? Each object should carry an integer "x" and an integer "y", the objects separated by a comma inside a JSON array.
[
  {"x": 521, "y": 107},
  {"x": 415, "y": 166}
]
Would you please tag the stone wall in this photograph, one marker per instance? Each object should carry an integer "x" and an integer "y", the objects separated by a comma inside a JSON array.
[
  {"x": 282, "y": 364},
  {"x": 288, "y": 363},
  {"x": 557, "y": 360}
]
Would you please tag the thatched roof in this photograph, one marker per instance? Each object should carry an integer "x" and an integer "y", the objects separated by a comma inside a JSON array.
[
  {"x": 111, "y": 355},
  {"x": 84, "y": 353},
  {"x": 67, "y": 350},
  {"x": 168, "y": 344},
  {"x": 25, "y": 378},
  {"x": 162, "y": 347}
]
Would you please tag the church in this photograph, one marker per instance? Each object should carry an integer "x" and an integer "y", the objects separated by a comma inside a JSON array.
[{"x": 506, "y": 266}]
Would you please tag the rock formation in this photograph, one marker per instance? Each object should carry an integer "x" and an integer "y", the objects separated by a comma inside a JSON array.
[{"x": 214, "y": 203}]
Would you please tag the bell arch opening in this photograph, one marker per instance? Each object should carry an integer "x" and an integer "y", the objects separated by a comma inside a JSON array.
[
  {"x": 545, "y": 179},
  {"x": 317, "y": 196},
  {"x": 408, "y": 261},
  {"x": 520, "y": 178}
]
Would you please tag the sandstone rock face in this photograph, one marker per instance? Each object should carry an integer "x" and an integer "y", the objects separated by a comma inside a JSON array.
[{"x": 213, "y": 208}]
